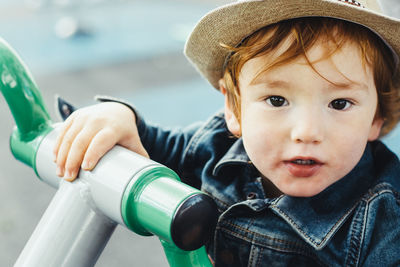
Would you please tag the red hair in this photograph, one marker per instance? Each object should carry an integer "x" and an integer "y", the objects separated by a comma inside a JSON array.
[{"x": 302, "y": 34}]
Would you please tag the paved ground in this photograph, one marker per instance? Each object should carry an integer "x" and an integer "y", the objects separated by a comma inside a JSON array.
[{"x": 129, "y": 49}]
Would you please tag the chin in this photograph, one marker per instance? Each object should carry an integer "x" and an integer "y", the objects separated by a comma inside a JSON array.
[{"x": 300, "y": 192}]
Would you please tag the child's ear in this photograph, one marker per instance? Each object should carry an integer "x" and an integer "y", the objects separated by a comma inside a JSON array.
[
  {"x": 375, "y": 129},
  {"x": 230, "y": 118}
]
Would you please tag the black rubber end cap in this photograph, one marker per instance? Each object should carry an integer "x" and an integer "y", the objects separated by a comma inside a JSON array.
[{"x": 194, "y": 222}]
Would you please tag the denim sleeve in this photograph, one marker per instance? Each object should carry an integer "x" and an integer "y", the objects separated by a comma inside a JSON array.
[
  {"x": 166, "y": 145},
  {"x": 381, "y": 244}
]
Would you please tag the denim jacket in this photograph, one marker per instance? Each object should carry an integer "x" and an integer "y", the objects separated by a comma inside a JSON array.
[{"x": 354, "y": 222}]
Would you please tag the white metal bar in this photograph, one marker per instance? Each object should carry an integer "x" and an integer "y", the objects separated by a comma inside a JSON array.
[
  {"x": 107, "y": 181},
  {"x": 70, "y": 233}
]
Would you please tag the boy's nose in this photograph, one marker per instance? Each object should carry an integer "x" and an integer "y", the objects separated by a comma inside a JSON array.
[{"x": 307, "y": 128}]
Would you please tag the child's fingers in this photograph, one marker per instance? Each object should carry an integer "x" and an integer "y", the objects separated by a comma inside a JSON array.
[
  {"x": 77, "y": 152},
  {"x": 136, "y": 146},
  {"x": 65, "y": 146},
  {"x": 63, "y": 129},
  {"x": 100, "y": 145}
]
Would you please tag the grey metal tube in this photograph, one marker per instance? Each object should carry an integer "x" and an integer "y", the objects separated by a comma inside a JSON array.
[
  {"x": 107, "y": 182},
  {"x": 70, "y": 233}
]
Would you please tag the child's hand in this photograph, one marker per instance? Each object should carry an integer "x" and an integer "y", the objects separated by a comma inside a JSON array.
[{"x": 90, "y": 132}]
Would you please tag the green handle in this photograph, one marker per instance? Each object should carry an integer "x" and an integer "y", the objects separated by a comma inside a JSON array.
[
  {"x": 156, "y": 202},
  {"x": 181, "y": 258},
  {"x": 26, "y": 104}
]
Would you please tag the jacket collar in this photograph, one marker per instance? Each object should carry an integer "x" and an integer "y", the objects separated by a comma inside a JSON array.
[
  {"x": 316, "y": 219},
  {"x": 236, "y": 155}
]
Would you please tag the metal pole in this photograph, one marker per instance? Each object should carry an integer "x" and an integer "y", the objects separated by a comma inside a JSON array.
[{"x": 70, "y": 233}]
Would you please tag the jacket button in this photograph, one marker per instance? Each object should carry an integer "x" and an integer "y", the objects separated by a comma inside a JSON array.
[{"x": 251, "y": 195}]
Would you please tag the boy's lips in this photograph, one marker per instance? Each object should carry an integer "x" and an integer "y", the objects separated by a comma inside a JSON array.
[{"x": 303, "y": 166}]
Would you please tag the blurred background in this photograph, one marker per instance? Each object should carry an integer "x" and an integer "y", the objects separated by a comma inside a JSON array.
[{"x": 123, "y": 48}]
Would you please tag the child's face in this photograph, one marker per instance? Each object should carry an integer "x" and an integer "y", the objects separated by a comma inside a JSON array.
[{"x": 301, "y": 131}]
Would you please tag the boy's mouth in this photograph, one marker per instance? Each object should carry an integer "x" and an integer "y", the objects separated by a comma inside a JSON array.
[
  {"x": 303, "y": 167},
  {"x": 304, "y": 161}
]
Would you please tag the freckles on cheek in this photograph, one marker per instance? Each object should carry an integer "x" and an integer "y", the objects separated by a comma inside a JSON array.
[
  {"x": 259, "y": 145},
  {"x": 253, "y": 133},
  {"x": 350, "y": 153},
  {"x": 260, "y": 132}
]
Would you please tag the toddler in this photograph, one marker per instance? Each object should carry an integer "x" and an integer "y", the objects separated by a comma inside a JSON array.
[{"x": 293, "y": 162}]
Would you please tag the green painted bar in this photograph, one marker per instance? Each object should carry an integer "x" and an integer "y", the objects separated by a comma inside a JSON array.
[
  {"x": 178, "y": 257},
  {"x": 26, "y": 104}
]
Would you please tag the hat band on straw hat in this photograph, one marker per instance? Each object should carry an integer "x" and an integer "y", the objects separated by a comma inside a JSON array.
[{"x": 352, "y": 2}]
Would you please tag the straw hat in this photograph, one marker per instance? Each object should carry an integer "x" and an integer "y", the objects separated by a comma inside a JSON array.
[{"x": 231, "y": 23}]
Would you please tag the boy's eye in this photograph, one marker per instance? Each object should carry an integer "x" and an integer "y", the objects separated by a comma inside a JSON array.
[
  {"x": 340, "y": 104},
  {"x": 277, "y": 101}
]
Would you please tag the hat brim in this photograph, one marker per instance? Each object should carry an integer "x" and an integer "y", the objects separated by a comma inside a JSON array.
[{"x": 231, "y": 23}]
